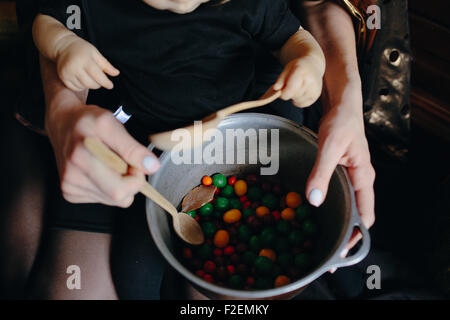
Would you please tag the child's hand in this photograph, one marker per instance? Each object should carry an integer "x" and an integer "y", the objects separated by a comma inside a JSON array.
[
  {"x": 301, "y": 81},
  {"x": 81, "y": 66}
]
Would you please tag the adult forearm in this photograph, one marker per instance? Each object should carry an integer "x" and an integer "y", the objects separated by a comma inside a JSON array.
[
  {"x": 59, "y": 100},
  {"x": 333, "y": 28}
]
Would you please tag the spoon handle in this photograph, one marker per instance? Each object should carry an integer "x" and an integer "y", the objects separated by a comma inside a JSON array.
[
  {"x": 112, "y": 160},
  {"x": 249, "y": 104}
]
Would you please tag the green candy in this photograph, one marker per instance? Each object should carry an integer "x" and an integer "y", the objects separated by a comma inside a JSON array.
[
  {"x": 309, "y": 227},
  {"x": 249, "y": 257},
  {"x": 254, "y": 193},
  {"x": 302, "y": 260},
  {"x": 285, "y": 260},
  {"x": 263, "y": 283},
  {"x": 219, "y": 180},
  {"x": 276, "y": 270},
  {"x": 204, "y": 251},
  {"x": 206, "y": 209},
  {"x": 235, "y": 203},
  {"x": 192, "y": 213},
  {"x": 222, "y": 204},
  {"x": 227, "y": 191},
  {"x": 263, "y": 265},
  {"x": 236, "y": 281},
  {"x": 247, "y": 213},
  {"x": 217, "y": 215},
  {"x": 296, "y": 238},
  {"x": 244, "y": 233},
  {"x": 282, "y": 244},
  {"x": 283, "y": 227},
  {"x": 302, "y": 212},
  {"x": 268, "y": 237},
  {"x": 270, "y": 201},
  {"x": 209, "y": 229},
  {"x": 255, "y": 244}
]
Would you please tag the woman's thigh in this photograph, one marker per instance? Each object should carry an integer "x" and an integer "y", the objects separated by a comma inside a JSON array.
[{"x": 73, "y": 265}]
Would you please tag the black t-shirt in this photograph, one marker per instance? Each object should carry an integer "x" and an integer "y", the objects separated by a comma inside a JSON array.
[{"x": 179, "y": 68}]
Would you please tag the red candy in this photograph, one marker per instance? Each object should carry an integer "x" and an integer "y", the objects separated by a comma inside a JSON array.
[
  {"x": 231, "y": 269},
  {"x": 276, "y": 189},
  {"x": 255, "y": 205},
  {"x": 217, "y": 191},
  {"x": 266, "y": 186},
  {"x": 208, "y": 278},
  {"x": 187, "y": 253},
  {"x": 200, "y": 273},
  {"x": 250, "y": 281},
  {"x": 246, "y": 204},
  {"x": 277, "y": 215},
  {"x": 209, "y": 266},
  {"x": 231, "y": 181},
  {"x": 243, "y": 199},
  {"x": 197, "y": 217},
  {"x": 228, "y": 251},
  {"x": 252, "y": 179},
  {"x": 217, "y": 252}
]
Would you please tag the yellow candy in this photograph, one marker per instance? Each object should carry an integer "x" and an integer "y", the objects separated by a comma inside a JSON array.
[
  {"x": 232, "y": 216},
  {"x": 221, "y": 239},
  {"x": 240, "y": 188},
  {"x": 262, "y": 211},
  {"x": 293, "y": 200},
  {"x": 288, "y": 214},
  {"x": 281, "y": 281},
  {"x": 268, "y": 253}
]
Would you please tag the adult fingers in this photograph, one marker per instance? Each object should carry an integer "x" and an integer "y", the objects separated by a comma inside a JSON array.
[
  {"x": 362, "y": 178},
  {"x": 327, "y": 159},
  {"x": 113, "y": 133}
]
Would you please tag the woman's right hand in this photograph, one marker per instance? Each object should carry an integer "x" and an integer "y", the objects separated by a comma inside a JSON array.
[{"x": 84, "y": 179}]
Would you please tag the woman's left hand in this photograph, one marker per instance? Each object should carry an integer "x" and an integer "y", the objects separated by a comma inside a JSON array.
[{"x": 342, "y": 141}]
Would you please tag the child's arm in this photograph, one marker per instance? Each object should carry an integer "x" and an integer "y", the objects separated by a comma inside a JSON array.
[
  {"x": 304, "y": 69},
  {"x": 79, "y": 64}
]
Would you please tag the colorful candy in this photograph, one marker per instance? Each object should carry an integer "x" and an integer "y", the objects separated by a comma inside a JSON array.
[
  {"x": 256, "y": 237},
  {"x": 231, "y": 216}
]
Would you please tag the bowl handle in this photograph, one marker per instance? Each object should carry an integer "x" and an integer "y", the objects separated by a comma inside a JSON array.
[{"x": 337, "y": 261}]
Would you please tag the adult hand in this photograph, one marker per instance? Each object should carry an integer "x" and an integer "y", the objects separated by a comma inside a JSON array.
[
  {"x": 84, "y": 179},
  {"x": 342, "y": 141}
]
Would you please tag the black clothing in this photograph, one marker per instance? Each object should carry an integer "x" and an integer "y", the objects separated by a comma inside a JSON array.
[{"x": 179, "y": 68}]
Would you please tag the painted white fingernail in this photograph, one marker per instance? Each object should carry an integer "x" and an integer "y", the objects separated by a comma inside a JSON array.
[
  {"x": 344, "y": 253},
  {"x": 315, "y": 197},
  {"x": 150, "y": 163},
  {"x": 333, "y": 270}
]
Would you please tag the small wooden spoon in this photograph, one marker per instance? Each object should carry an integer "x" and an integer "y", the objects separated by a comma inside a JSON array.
[
  {"x": 164, "y": 141},
  {"x": 186, "y": 227}
]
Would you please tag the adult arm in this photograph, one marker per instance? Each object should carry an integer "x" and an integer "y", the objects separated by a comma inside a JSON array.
[
  {"x": 342, "y": 137},
  {"x": 84, "y": 179}
]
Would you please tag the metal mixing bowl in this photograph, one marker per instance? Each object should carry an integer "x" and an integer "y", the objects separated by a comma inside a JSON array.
[{"x": 336, "y": 218}]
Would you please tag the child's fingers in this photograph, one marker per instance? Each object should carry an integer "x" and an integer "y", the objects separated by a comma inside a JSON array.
[
  {"x": 294, "y": 83},
  {"x": 87, "y": 81},
  {"x": 105, "y": 65},
  {"x": 279, "y": 84},
  {"x": 99, "y": 76},
  {"x": 78, "y": 86}
]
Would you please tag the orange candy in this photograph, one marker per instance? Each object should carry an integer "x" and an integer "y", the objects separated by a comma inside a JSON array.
[
  {"x": 262, "y": 211},
  {"x": 207, "y": 180},
  {"x": 293, "y": 200},
  {"x": 232, "y": 216},
  {"x": 288, "y": 214},
  {"x": 221, "y": 239},
  {"x": 281, "y": 281},
  {"x": 240, "y": 188},
  {"x": 268, "y": 253}
]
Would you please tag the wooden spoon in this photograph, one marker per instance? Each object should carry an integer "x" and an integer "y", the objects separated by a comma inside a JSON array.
[
  {"x": 164, "y": 141},
  {"x": 186, "y": 227}
]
